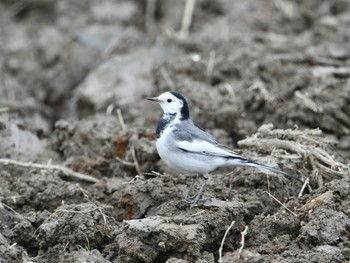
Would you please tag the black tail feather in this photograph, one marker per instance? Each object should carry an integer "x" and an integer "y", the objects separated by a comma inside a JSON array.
[{"x": 258, "y": 165}]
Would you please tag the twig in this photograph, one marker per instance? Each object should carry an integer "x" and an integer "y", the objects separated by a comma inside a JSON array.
[
  {"x": 267, "y": 96},
  {"x": 136, "y": 162},
  {"x": 84, "y": 192},
  {"x": 229, "y": 89},
  {"x": 326, "y": 172},
  {"x": 133, "y": 179},
  {"x": 109, "y": 109},
  {"x": 308, "y": 103},
  {"x": 211, "y": 63},
  {"x": 65, "y": 247},
  {"x": 167, "y": 78},
  {"x": 4, "y": 109},
  {"x": 153, "y": 173},
  {"x": 223, "y": 240},
  {"x": 12, "y": 197},
  {"x": 314, "y": 171},
  {"x": 125, "y": 162},
  {"x": 198, "y": 213},
  {"x": 187, "y": 18},
  {"x": 10, "y": 208},
  {"x": 156, "y": 173},
  {"x": 278, "y": 201},
  {"x": 303, "y": 150},
  {"x": 66, "y": 171},
  {"x": 45, "y": 221},
  {"x": 121, "y": 119},
  {"x": 243, "y": 234},
  {"x": 131, "y": 164},
  {"x": 13, "y": 245},
  {"x": 303, "y": 187},
  {"x": 150, "y": 14},
  {"x": 104, "y": 217}
]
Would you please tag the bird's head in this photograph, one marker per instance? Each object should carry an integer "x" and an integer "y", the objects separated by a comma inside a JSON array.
[{"x": 173, "y": 103}]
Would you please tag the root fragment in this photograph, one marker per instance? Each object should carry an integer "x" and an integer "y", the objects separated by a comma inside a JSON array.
[{"x": 309, "y": 145}]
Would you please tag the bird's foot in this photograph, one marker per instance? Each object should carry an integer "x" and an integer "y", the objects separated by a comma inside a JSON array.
[{"x": 193, "y": 199}]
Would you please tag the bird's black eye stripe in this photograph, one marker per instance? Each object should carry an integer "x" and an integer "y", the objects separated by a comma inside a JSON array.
[{"x": 169, "y": 100}]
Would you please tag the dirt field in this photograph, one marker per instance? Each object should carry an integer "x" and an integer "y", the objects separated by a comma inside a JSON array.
[{"x": 80, "y": 177}]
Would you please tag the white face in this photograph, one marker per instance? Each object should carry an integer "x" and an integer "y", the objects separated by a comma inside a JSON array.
[{"x": 170, "y": 103}]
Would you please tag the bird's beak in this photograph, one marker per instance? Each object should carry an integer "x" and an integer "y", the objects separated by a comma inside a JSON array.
[{"x": 154, "y": 99}]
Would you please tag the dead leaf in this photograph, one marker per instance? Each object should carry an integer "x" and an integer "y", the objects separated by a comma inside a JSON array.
[{"x": 315, "y": 202}]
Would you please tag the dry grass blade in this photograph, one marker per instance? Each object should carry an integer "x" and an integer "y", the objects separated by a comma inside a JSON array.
[
  {"x": 66, "y": 171},
  {"x": 278, "y": 201},
  {"x": 187, "y": 18},
  {"x": 121, "y": 119},
  {"x": 303, "y": 187},
  {"x": 223, "y": 240},
  {"x": 136, "y": 162},
  {"x": 167, "y": 78},
  {"x": 243, "y": 234}
]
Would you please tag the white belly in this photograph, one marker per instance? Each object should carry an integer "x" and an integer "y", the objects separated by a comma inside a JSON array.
[{"x": 184, "y": 162}]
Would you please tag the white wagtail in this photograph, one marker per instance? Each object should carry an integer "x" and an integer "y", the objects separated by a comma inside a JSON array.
[{"x": 187, "y": 148}]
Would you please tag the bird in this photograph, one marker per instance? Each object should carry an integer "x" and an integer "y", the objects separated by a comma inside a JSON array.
[{"x": 188, "y": 149}]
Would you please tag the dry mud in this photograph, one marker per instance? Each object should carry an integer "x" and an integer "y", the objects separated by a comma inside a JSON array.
[{"x": 269, "y": 78}]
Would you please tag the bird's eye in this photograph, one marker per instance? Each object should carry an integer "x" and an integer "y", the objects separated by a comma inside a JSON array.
[{"x": 169, "y": 100}]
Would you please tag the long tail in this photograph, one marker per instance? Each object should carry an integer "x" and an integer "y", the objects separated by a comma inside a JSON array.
[{"x": 245, "y": 162}]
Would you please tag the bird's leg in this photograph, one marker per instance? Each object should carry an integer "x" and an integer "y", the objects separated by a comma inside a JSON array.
[
  {"x": 195, "y": 198},
  {"x": 188, "y": 197},
  {"x": 199, "y": 193}
]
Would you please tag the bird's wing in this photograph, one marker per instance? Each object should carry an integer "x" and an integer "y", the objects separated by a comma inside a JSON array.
[
  {"x": 188, "y": 130},
  {"x": 190, "y": 142}
]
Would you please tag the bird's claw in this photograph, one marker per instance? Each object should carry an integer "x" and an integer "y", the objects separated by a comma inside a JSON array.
[{"x": 193, "y": 199}]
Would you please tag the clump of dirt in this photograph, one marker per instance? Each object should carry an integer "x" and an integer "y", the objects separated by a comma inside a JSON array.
[
  {"x": 80, "y": 176},
  {"x": 92, "y": 145}
]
